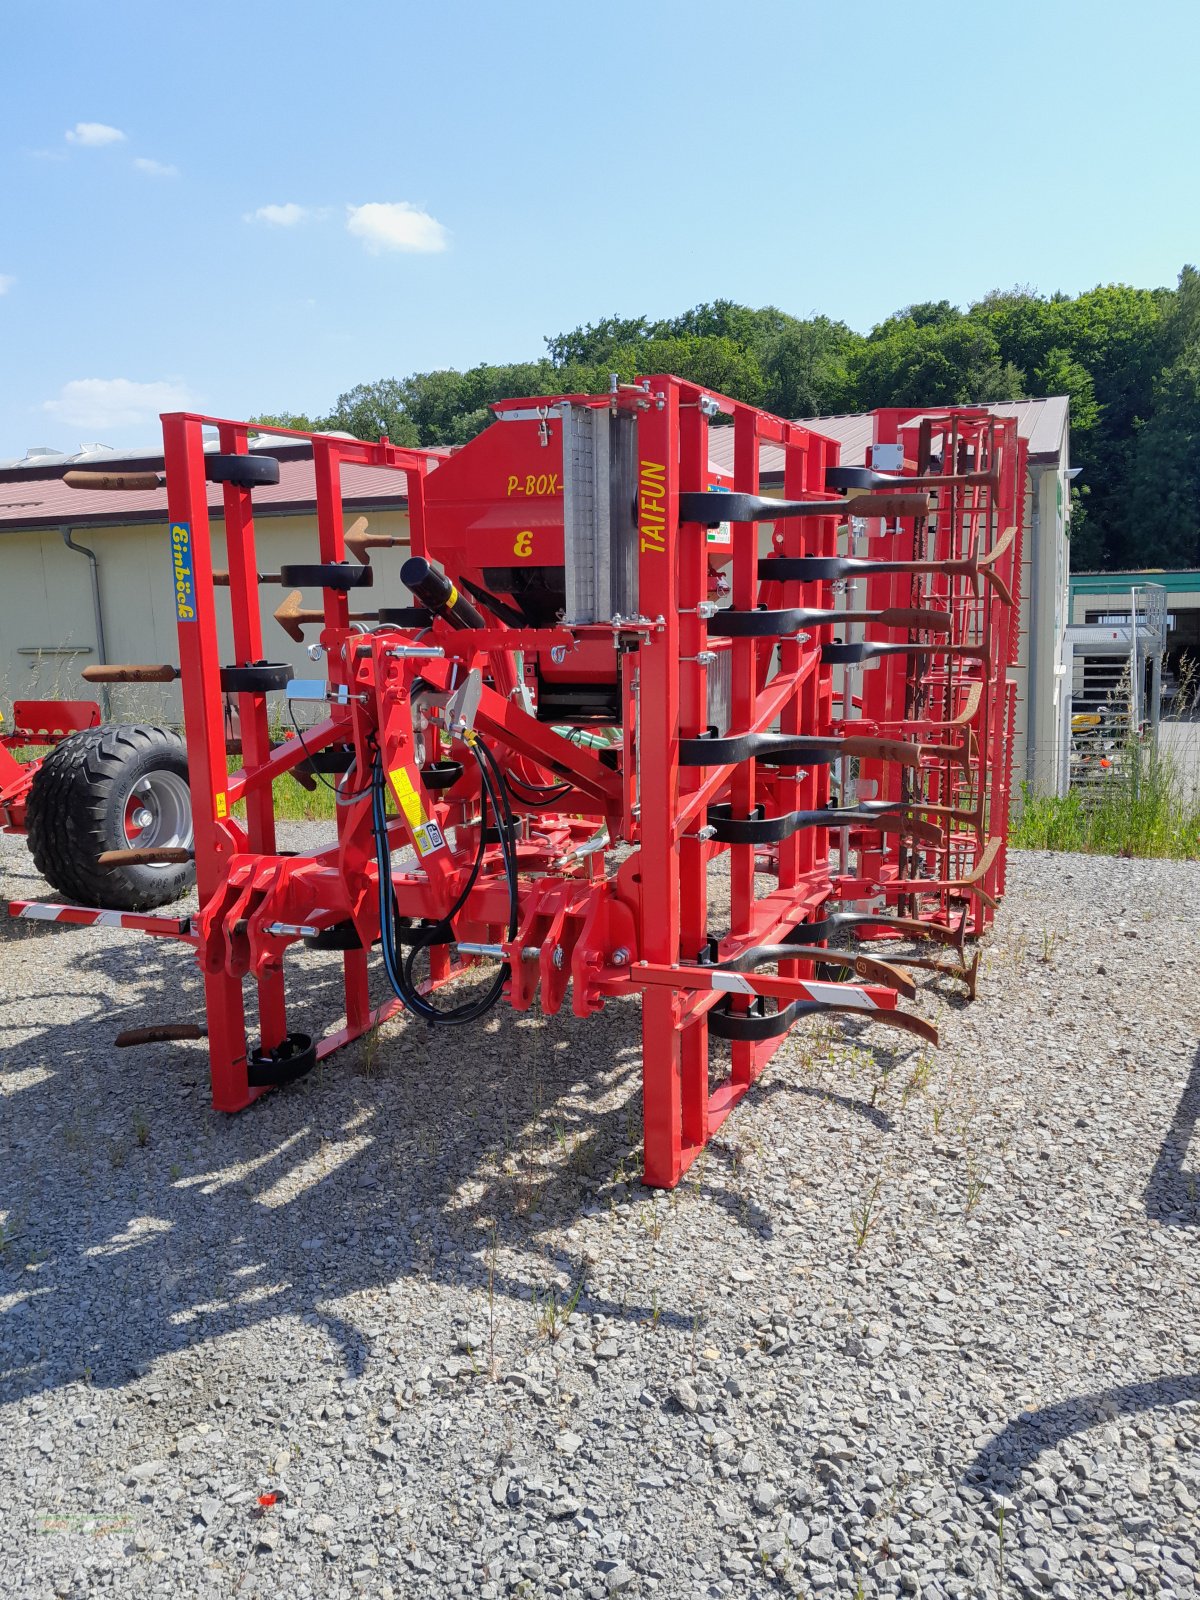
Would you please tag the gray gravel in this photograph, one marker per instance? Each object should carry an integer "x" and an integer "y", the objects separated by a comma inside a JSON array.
[{"x": 916, "y": 1324}]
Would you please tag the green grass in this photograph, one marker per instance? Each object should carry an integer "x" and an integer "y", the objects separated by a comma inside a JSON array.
[
  {"x": 293, "y": 802},
  {"x": 1140, "y": 809}
]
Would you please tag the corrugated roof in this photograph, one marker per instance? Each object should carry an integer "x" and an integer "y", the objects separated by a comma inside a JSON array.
[
  {"x": 48, "y": 502},
  {"x": 1042, "y": 422}
]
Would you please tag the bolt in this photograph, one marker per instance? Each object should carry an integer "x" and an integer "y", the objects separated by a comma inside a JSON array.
[
  {"x": 558, "y": 958},
  {"x": 143, "y": 818},
  {"x": 620, "y": 957}
]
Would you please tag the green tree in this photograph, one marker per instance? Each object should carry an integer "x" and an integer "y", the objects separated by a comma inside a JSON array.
[
  {"x": 285, "y": 419},
  {"x": 806, "y": 370},
  {"x": 370, "y": 410}
]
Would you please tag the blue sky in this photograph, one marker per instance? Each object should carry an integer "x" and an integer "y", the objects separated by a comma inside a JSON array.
[{"x": 236, "y": 208}]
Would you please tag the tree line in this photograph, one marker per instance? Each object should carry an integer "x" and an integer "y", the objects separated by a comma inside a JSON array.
[{"x": 1129, "y": 359}]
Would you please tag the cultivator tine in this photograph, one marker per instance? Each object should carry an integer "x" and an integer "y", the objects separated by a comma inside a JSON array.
[
  {"x": 886, "y": 816},
  {"x": 865, "y": 478},
  {"x": 293, "y": 617},
  {"x": 360, "y": 543},
  {"x": 159, "y": 1033},
  {"x": 713, "y": 510},
  {"x": 221, "y": 578},
  {"x": 965, "y": 972},
  {"x": 757, "y": 1024},
  {"x": 111, "y": 673},
  {"x": 764, "y": 623},
  {"x": 864, "y": 966},
  {"x": 898, "y": 927},
  {"x": 112, "y": 482},
  {"x": 161, "y": 856}
]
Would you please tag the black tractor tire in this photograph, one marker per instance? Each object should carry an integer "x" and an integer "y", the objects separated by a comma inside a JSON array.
[{"x": 79, "y": 802}]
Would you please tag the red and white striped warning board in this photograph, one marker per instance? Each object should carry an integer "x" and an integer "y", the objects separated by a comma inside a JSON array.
[{"x": 88, "y": 917}]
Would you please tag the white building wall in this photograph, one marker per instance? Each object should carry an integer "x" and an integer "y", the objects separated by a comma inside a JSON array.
[{"x": 47, "y": 625}]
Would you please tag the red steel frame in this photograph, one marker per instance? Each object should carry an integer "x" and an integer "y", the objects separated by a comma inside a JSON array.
[{"x": 634, "y": 916}]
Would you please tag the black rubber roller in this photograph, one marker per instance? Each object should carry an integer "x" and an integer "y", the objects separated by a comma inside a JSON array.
[
  {"x": 338, "y": 575},
  {"x": 244, "y": 472},
  {"x": 272, "y": 1068},
  {"x": 256, "y": 677}
]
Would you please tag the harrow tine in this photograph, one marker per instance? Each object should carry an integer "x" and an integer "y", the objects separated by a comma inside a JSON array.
[{"x": 159, "y": 1033}]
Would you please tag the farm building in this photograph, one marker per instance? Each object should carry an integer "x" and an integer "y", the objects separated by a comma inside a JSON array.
[{"x": 87, "y": 577}]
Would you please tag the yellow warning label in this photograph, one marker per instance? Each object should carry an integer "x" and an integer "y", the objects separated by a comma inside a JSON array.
[
  {"x": 222, "y": 808},
  {"x": 408, "y": 798},
  {"x": 452, "y": 598}
]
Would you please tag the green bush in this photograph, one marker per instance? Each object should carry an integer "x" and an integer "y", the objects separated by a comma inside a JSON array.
[{"x": 1139, "y": 808}]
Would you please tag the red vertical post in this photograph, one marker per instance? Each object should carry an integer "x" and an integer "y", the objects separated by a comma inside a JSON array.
[
  {"x": 693, "y": 698},
  {"x": 252, "y": 708},
  {"x": 742, "y": 699},
  {"x": 658, "y": 748},
  {"x": 332, "y": 537},
  {"x": 200, "y": 675}
]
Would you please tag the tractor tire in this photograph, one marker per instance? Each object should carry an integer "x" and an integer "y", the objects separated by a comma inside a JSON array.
[{"x": 112, "y": 788}]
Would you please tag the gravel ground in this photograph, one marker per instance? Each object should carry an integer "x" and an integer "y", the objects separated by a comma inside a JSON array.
[{"x": 920, "y": 1324}]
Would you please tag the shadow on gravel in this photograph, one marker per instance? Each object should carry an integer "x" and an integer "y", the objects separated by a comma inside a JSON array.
[
  {"x": 1173, "y": 1190},
  {"x": 135, "y": 1221},
  {"x": 999, "y": 1465}
]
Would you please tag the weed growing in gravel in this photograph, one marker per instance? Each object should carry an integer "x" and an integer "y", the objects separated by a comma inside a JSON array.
[
  {"x": 921, "y": 1074},
  {"x": 975, "y": 1186},
  {"x": 1142, "y": 807},
  {"x": 651, "y": 1219},
  {"x": 553, "y": 1317},
  {"x": 1049, "y": 943},
  {"x": 865, "y": 1215},
  {"x": 368, "y": 1050},
  {"x": 141, "y": 1129}
]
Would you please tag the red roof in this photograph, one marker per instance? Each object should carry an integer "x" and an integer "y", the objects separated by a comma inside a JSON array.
[{"x": 48, "y": 502}]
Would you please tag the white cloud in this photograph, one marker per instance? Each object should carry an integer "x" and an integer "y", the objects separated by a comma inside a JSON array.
[
  {"x": 155, "y": 169},
  {"x": 116, "y": 402},
  {"x": 395, "y": 226},
  {"x": 6, "y": 282},
  {"x": 285, "y": 216},
  {"x": 93, "y": 134}
]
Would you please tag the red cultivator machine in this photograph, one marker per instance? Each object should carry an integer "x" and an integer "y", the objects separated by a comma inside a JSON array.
[{"x": 635, "y": 729}]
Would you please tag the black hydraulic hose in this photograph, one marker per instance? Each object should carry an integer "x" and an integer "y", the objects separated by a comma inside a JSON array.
[{"x": 400, "y": 971}]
